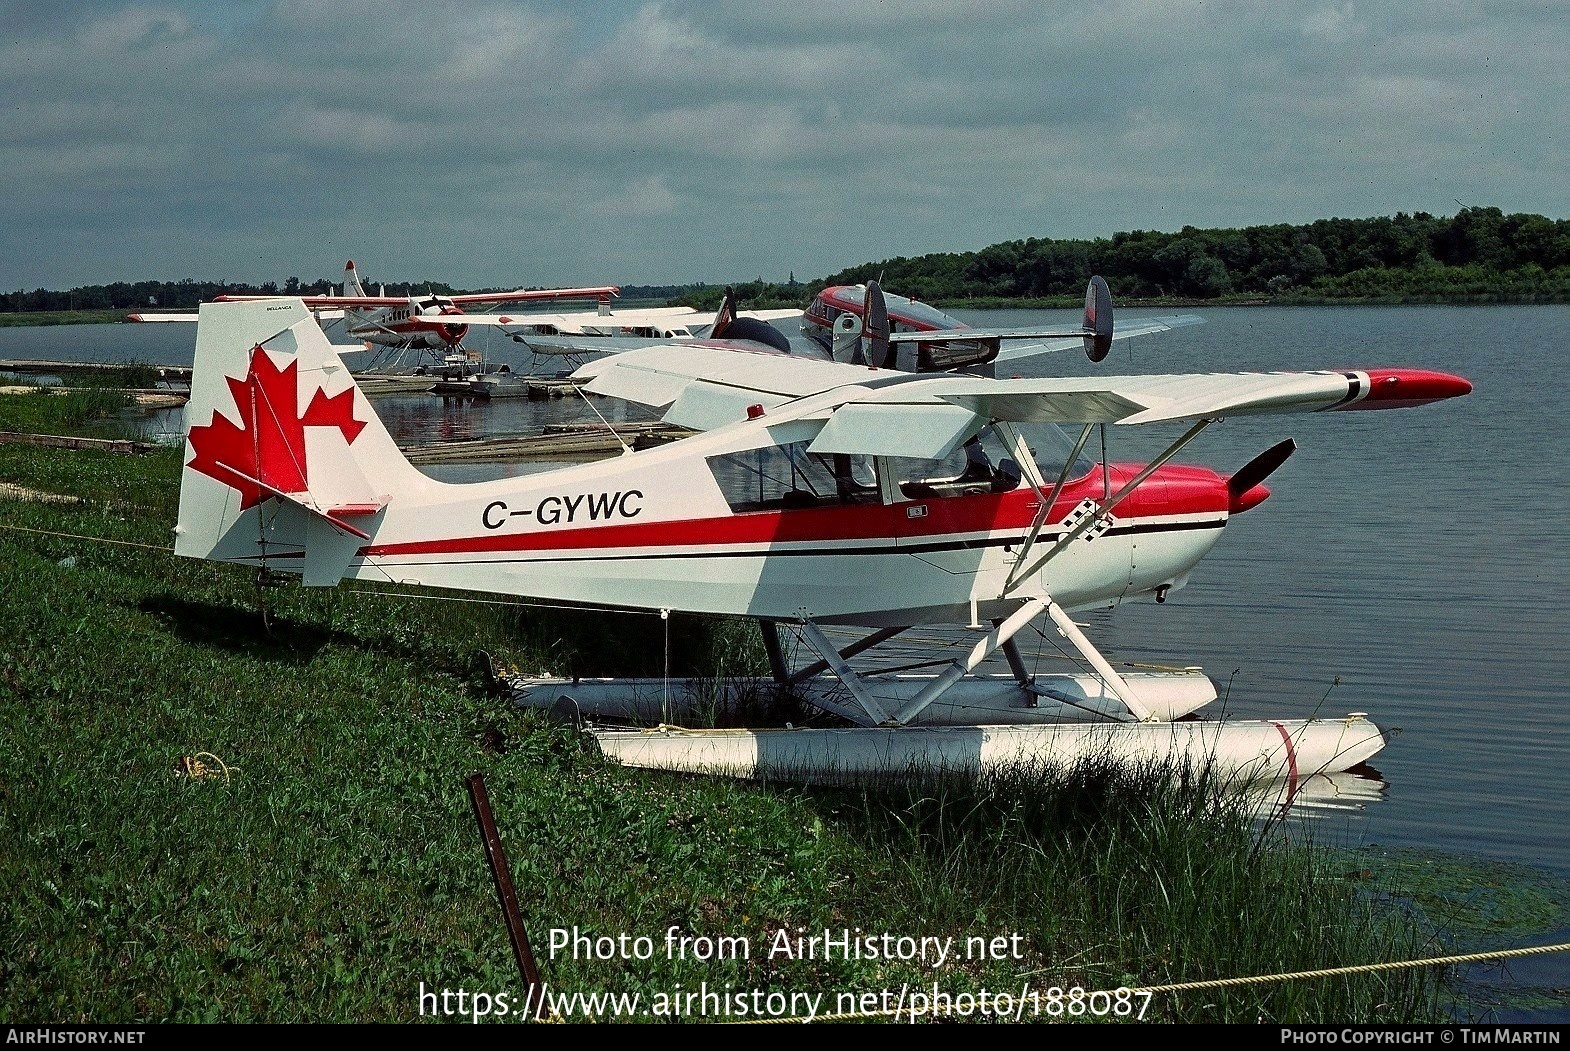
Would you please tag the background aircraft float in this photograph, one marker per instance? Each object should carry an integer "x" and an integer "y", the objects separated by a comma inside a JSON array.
[{"x": 815, "y": 493}]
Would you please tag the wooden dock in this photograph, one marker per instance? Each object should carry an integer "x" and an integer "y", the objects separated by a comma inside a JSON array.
[
  {"x": 31, "y": 366},
  {"x": 57, "y": 441},
  {"x": 568, "y": 441},
  {"x": 373, "y": 384}
]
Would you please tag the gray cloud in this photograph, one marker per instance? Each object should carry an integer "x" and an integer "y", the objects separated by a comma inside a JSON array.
[{"x": 502, "y": 144}]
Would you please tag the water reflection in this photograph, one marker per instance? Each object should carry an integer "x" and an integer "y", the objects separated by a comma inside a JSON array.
[{"x": 1317, "y": 796}]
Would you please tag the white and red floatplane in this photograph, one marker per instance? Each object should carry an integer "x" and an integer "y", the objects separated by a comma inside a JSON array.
[{"x": 847, "y": 492}]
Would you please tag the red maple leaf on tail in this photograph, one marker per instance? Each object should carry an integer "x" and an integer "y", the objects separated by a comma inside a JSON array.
[{"x": 267, "y": 446}]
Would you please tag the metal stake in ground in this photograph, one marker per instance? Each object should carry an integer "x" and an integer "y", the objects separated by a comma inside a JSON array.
[{"x": 504, "y": 890}]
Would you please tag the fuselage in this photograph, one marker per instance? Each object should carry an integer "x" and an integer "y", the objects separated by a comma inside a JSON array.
[
  {"x": 424, "y": 321},
  {"x": 818, "y": 323},
  {"x": 905, "y": 315},
  {"x": 625, "y": 535},
  {"x": 742, "y": 520},
  {"x": 792, "y": 510}
]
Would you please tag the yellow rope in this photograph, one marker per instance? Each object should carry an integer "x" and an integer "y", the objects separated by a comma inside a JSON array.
[
  {"x": 1216, "y": 983},
  {"x": 78, "y": 536},
  {"x": 1364, "y": 968},
  {"x": 196, "y": 769}
]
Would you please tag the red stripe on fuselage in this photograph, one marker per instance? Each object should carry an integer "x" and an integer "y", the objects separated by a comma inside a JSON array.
[{"x": 1172, "y": 490}]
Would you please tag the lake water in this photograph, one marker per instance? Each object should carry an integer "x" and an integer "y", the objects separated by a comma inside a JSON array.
[{"x": 1413, "y": 565}]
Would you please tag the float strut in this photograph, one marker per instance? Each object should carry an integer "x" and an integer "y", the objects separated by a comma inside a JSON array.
[
  {"x": 771, "y": 643},
  {"x": 1109, "y": 675},
  {"x": 1004, "y": 631},
  {"x": 847, "y": 675},
  {"x": 1016, "y": 662}
]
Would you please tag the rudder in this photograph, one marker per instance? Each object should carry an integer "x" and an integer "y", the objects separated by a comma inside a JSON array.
[{"x": 286, "y": 465}]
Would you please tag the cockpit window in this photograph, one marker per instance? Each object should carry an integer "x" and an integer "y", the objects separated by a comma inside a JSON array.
[
  {"x": 925, "y": 316},
  {"x": 985, "y": 464},
  {"x": 784, "y": 477}
]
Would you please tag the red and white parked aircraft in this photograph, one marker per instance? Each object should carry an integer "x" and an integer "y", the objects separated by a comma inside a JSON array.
[
  {"x": 855, "y": 324},
  {"x": 426, "y": 322},
  {"x": 815, "y": 493},
  {"x": 862, "y": 325}
]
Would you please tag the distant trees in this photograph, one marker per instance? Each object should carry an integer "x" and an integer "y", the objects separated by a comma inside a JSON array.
[{"x": 1477, "y": 254}]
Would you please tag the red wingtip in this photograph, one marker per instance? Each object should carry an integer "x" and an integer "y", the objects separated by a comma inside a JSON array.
[{"x": 1404, "y": 388}]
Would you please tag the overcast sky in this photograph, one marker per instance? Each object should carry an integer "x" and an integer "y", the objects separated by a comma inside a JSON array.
[{"x": 637, "y": 143}]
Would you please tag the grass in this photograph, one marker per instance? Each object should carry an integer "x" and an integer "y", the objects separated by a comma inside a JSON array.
[
  {"x": 41, "y": 410},
  {"x": 338, "y": 866},
  {"x": 61, "y": 317}
]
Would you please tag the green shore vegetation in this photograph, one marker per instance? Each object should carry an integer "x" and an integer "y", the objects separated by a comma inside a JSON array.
[
  {"x": 223, "y": 801},
  {"x": 1479, "y": 255}
]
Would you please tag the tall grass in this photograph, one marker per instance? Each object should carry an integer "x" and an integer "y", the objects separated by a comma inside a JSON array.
[{"x": 43, "y": 410}]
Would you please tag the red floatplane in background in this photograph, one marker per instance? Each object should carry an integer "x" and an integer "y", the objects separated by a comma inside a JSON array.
[{"x": 879, "y": 491}]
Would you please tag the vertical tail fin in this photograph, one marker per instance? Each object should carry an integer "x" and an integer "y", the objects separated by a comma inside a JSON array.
[
  {"x": 287, "y": 467},
  {"x": 351, "y": 280}
]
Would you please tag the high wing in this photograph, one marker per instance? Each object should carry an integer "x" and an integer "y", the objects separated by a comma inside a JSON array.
[
  {"x": 527, "y": 296},
  {"x": 884, "y": 412},
  {"x": 1060, "y": 340},
  {"x": 578, "y": 322},
  {"x": 727, "y": 327},
  {"x": 321, "y": 315},
  {"x": 519, "y": 296},
  {"x": 589, "y": 321},
  {"x": 1070, "y": 336}
]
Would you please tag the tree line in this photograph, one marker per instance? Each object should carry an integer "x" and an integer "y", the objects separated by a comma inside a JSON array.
[{"x": 1476, "y": 255}]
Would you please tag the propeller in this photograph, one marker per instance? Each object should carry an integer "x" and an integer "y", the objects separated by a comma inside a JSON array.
[
  {"x": 876, "y": 327},
  {"x": 1248, "y": 477},
  {"x": 1098, "y": 320}
]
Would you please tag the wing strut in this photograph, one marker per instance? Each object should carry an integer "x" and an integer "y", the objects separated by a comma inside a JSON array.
[
  {"x": 1027, "y": 464},
  {"x": 1019, "y": 575}
]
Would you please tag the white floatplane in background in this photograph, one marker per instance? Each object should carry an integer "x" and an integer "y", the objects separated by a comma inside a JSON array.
[
  {"x": 816, "y": 493},
  {"x": 608, "y": 331},
  {"x": 427, "y": 322}
]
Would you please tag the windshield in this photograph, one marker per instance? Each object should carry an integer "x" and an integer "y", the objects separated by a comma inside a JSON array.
[{"x": 985, "y": 464}]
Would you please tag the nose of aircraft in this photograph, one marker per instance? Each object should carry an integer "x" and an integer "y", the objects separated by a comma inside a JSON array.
[
  {"x": 1245, "y": 488},
  {"x": 1253, "y": 496}
]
